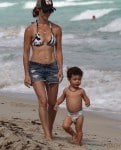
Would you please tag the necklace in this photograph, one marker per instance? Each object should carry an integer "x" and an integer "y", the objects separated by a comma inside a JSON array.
[
  {"x": 43, "y": 25},
  {"x": 44, "y": 30}
]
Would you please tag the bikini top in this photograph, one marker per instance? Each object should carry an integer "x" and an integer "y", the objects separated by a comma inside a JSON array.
[{"x": 37, "y": 39}]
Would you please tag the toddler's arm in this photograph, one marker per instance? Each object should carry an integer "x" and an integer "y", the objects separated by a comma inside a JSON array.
[
  {"x": 59, "y": 101},
  {"x": 85, "y": 98},
  {"x": 56, "y": 106}
]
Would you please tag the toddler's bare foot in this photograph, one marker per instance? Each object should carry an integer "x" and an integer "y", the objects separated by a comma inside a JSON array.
[
  {"x": 74, "y": 138},
  {"x": 79, "y": 139},
  {"x": 77, "y": 143}
]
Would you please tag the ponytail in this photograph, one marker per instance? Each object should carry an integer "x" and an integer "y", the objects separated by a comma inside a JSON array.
[{"x": 35, "y": 12}]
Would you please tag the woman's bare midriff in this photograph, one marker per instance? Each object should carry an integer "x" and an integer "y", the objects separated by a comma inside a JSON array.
[{"x": 44, "y": 54}]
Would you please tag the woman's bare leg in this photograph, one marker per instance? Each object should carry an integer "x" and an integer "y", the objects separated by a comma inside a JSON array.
[
  {"x": 40, "y": 90},
  {"x": 52, "y": 91}
]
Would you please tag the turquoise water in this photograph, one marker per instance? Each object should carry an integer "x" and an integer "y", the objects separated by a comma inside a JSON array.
[{"x": 94, "y": 46}]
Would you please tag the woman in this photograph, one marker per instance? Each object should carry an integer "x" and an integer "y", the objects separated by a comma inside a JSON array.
[{"x": 44, "y": 68}]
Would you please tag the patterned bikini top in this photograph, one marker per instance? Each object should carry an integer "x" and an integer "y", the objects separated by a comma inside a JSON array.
[{"x": 37, "y": 39}]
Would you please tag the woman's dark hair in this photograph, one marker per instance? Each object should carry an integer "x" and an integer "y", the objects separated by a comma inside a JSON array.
[
  {"x": 35, "y": 11},
  {"x": 46, "y": 6},
  {"x": 74, "y": 71}
]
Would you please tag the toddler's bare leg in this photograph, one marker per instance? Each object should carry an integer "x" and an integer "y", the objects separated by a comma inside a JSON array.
[
  {"x": 78, "y": 127},
  {"x": 67, "y": 127}
]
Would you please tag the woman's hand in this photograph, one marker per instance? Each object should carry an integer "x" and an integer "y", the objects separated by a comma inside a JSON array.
[
  {"x": 60, "y": 75},
  {"x": 27, "y": 81}
]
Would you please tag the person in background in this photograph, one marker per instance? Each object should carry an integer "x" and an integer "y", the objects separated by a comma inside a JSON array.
[
  {"x": 44, "y": 67},
  {"x": 74, "y": 96},
  {"x": 93, "y": 17}
]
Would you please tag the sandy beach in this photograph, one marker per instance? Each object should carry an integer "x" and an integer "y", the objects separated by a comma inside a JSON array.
[{"x": 20, "y": 128}]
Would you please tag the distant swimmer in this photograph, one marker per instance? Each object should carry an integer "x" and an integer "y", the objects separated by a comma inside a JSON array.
[{"x": 93, "y": 17}]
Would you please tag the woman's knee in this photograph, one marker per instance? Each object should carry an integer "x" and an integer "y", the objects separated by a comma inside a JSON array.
[
  {"x": 51, "y": 105},
  {"x": 42, "y": 103}
]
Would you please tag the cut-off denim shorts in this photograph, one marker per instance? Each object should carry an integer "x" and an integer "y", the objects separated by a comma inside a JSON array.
[{"x": 43, "y": 72}]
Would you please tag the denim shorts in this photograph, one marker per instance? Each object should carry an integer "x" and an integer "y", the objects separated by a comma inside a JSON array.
[{"x": 43, "y": 72}]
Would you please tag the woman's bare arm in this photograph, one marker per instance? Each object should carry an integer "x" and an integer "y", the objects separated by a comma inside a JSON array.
[
  {"x": 26, "y": 54},
  {"x": 59, "y": 54}
]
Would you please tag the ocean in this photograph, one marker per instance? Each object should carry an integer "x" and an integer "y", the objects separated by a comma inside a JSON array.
[{"x": 93, "y": 45}]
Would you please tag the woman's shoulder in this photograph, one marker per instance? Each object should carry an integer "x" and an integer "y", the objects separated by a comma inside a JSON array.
[
  {"x": 30, "y": 27},
  {"x": 55, "y": 26}
]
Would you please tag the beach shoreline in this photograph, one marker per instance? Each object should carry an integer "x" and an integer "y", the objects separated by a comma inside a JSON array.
[{"x": 20, "y": 127}]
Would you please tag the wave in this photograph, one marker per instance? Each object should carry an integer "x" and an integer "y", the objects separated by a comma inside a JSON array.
[
  {"x": 11, "y": 35},
  {"x": 31, "y": 4},
  {"x": 76, "y": 3},
  {"x": 89, "y": 13},
  {"x": 6, "y": 4},
  {"x": 114, "y": 26},
  {"x": 103, "y": 87},
  {"x": 11, "y": 31}
]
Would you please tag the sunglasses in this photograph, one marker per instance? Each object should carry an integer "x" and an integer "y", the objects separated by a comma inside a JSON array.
[{"x": 48, "y": 9}]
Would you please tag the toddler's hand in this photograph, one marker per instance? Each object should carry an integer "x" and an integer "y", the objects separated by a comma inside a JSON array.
[
  {"x": 87, "y": 104},
  {"x": 56, "y": 107}
]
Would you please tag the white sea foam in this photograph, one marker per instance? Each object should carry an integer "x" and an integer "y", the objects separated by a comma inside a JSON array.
[
  {"x": 77, "y": 3},
  {"x": 103, "y": 87},
  {"x": 31, "y": 4},
  {"x": 89, "y": 13},
  {"x": 6, "y": 4},
  {"x": 21, "y": 31},
  {"x": 114, "y": 26},
  {"x": 11, "y": 35},
  {"x": 11, "y": 31},
  {"x": 68, "y": 36}
]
